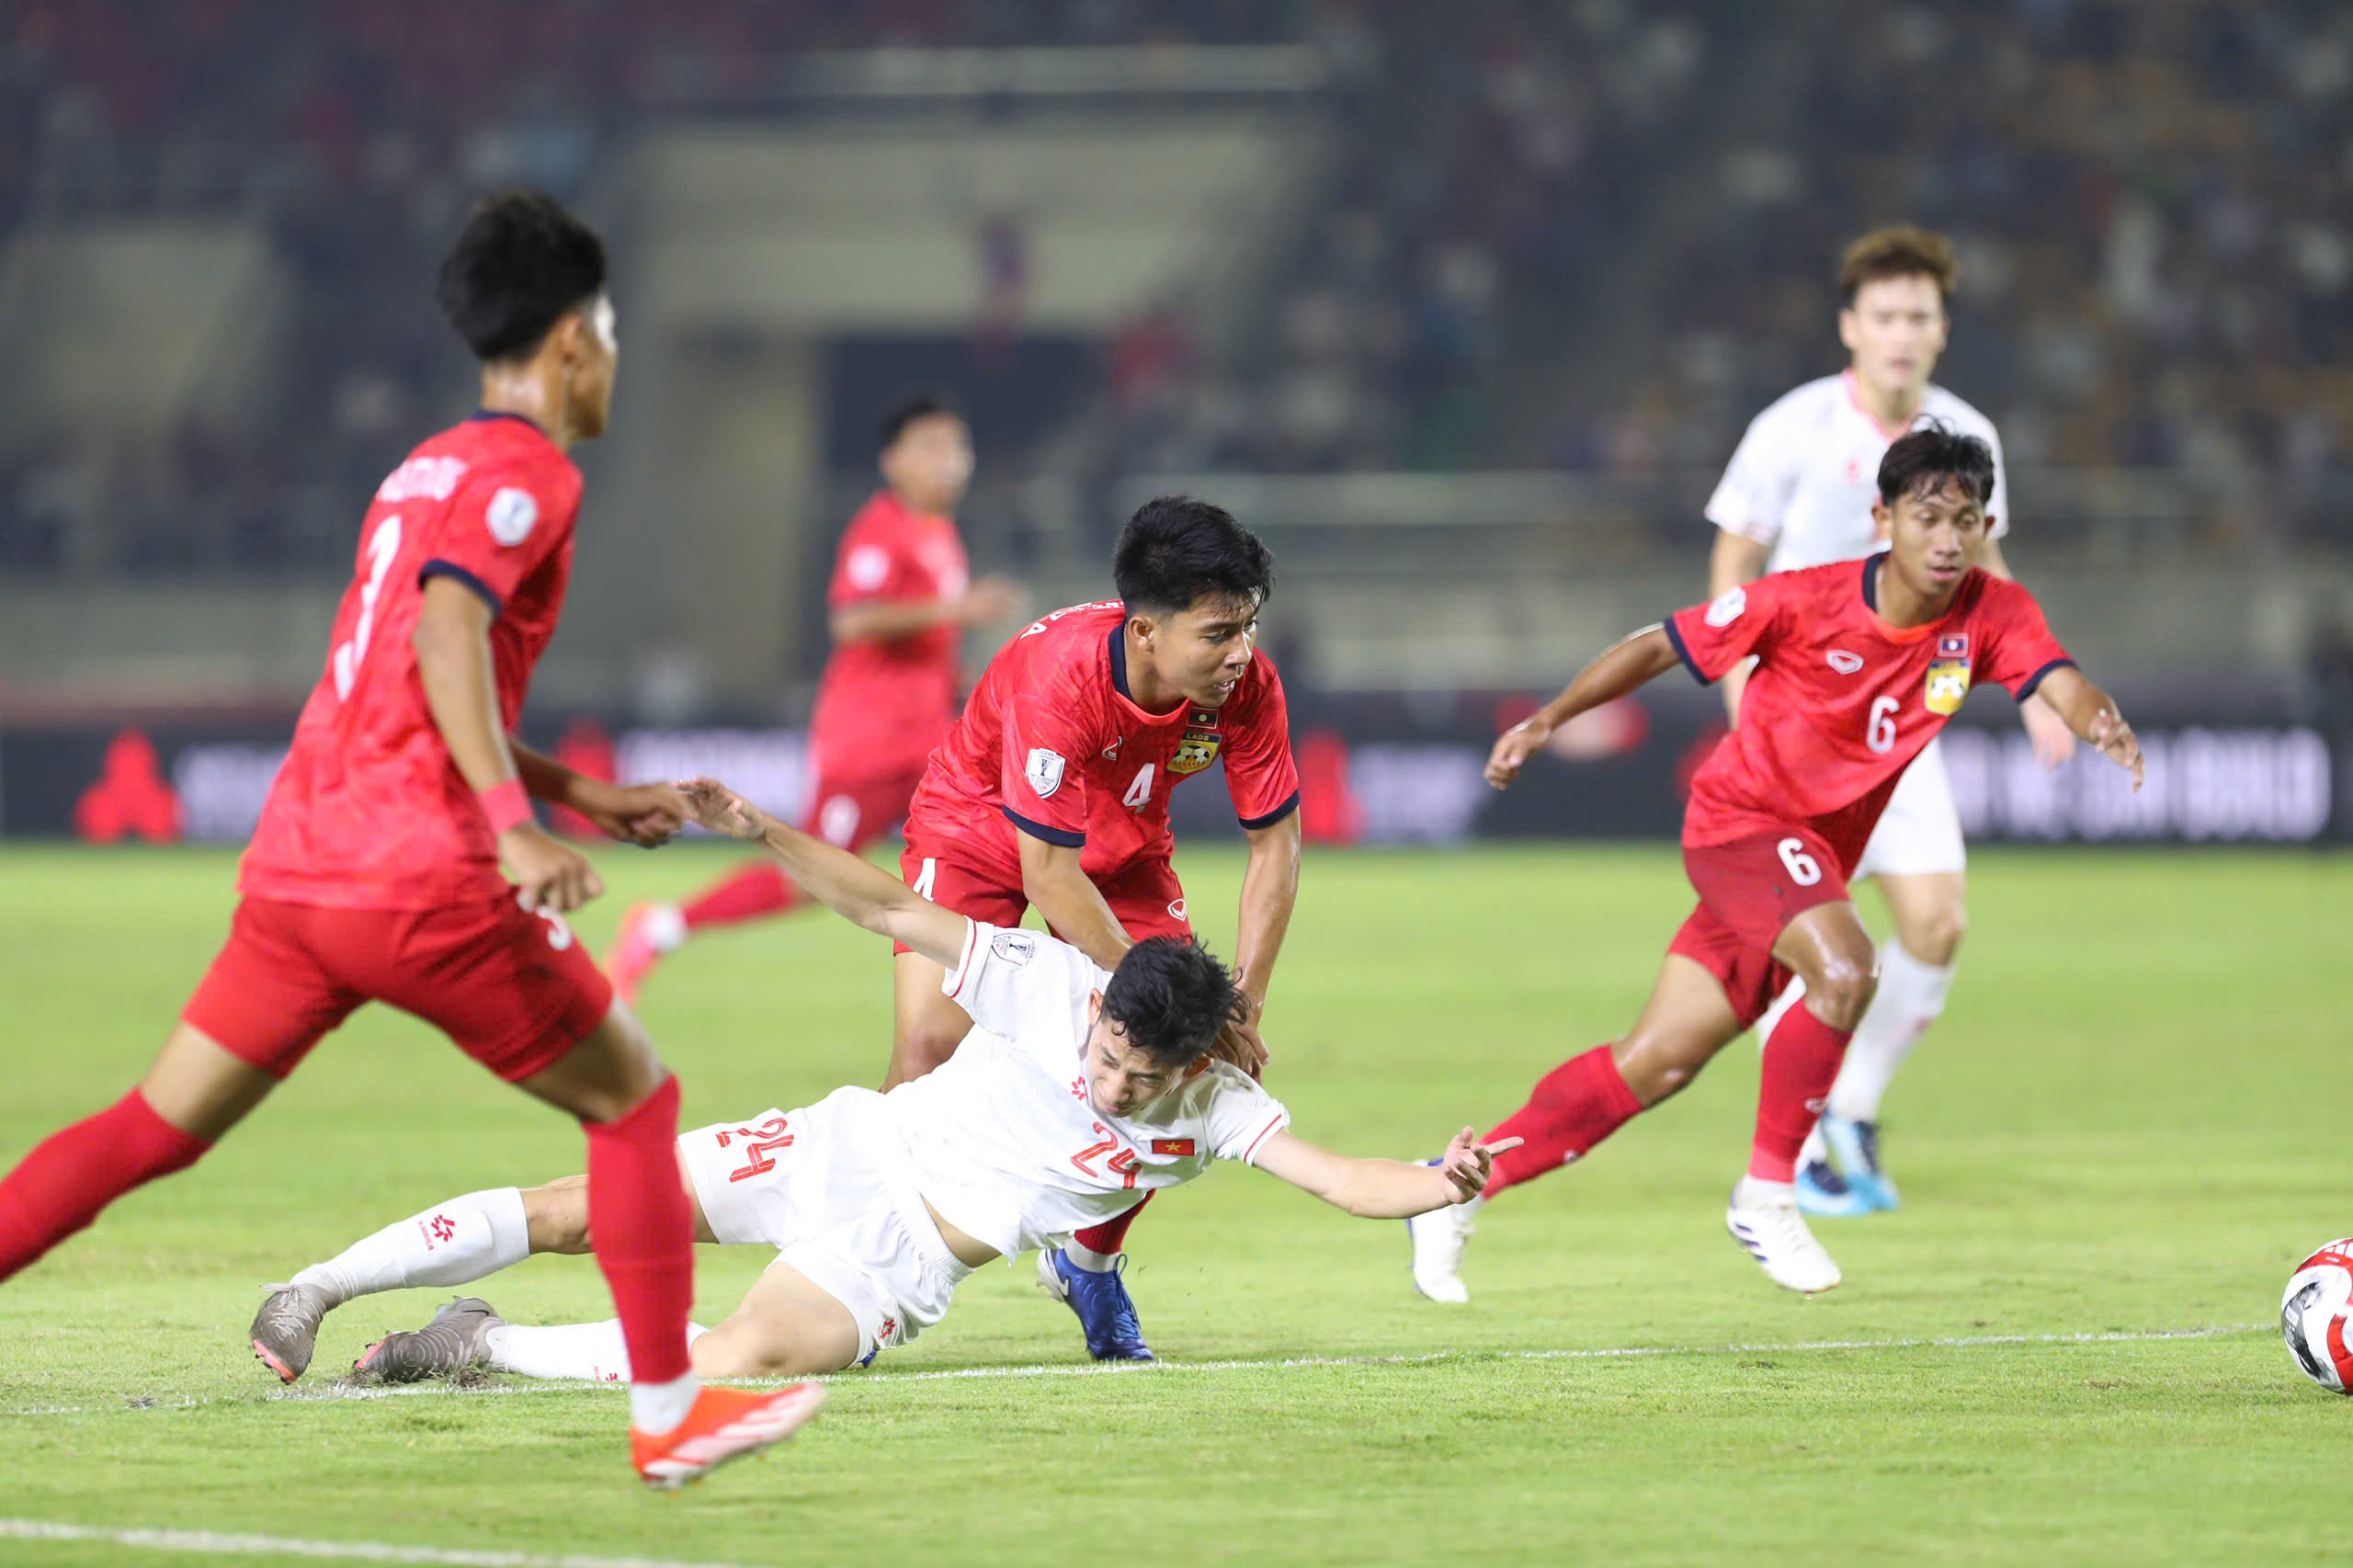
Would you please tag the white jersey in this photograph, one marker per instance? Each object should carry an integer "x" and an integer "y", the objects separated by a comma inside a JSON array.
[
  {"x": 1003, "y": 1141},
  {"x": 1804, "y": 476}
]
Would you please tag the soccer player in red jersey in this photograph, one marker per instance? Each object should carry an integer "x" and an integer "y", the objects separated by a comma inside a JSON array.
[
  {"x": 1052, "y": 790},
  {"x": 901, "y": 599},
  {"x": 1858, "y": 666},
  {"x": 374, "y": 872}
]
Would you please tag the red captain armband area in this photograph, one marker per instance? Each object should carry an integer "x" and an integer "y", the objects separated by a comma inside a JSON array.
[{"x": 506, "y": 805}]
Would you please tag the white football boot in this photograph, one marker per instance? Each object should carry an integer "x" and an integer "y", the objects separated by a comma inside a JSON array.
[
  {"x": 1763, "y": 1217},
  {"x": 1439, "y": 1238}
]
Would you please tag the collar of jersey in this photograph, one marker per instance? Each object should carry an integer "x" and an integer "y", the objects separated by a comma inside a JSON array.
[
  {"x": 1119, "y": 647},
  {"x": 1872, "y": 565},
  {"x": 483, "y": 416}
]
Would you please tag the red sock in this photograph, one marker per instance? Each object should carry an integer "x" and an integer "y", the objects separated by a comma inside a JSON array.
[
  {"x": 1574, "y": 1107},
  {"x": 1800, "y": 1061},
  {"x": 1111, "y": 1235},
  {"x": 747, "y": 892},
  {"x": 643, "y": 1232},
  {"x": 74, "y": 1173}
]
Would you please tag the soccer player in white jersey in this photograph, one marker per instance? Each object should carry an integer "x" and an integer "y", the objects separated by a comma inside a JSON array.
[
  {"x": 1076, "y": 1093},
  {"x": 1798, "y": 492}
]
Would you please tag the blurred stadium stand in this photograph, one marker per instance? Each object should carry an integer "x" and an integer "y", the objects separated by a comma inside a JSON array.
[{"x": 1464, "y": 306}]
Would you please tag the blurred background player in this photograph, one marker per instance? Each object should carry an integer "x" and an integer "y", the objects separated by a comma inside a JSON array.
[
  {"x": 900, "y": 601},
  {"x": 1052, "y": 790},
  {"x": 1857, "y": 667},
  {"x": 374, "y": 874},
  {"x": 1799, "y": 492}
]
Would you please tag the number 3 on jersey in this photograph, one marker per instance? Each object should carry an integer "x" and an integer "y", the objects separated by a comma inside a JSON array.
[{"x": 383, "y": 546}]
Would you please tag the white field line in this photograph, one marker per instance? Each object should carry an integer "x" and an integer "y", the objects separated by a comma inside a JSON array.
[
  {"x": 330, "y": 1389},
  {"x": 349, "y": 1551}
]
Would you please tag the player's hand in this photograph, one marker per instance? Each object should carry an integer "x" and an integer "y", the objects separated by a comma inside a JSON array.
[
  {"x": 1513, "y": 748},
  {"x": 2118, "y": 743},
  {"x": 1468, "y": 1164},
  {"x": 2053, "y": 742},
  {"x": 718, "y": 808},
  {"x": 990, "y": 600},
  {"x": 1240, "y": 1042},
  {"x": 547, "y": 875},
  {"x": 643, "y": 815}
]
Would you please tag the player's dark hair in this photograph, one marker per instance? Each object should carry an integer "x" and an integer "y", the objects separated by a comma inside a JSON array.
[
  {"x": 1901, "y": 251},
  {"x": 1171, "y": 996},
  {"x": 1919, "y": 463},
  {"x": 915, "y": 402},
  {"x": 519, "y": 266},
  {"x": 1176, "y": 550}
]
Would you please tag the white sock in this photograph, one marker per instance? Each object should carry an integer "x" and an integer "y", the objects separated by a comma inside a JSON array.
[
  {"x": 1792, "y": 994},
  {"x": 666, "y": 929},
  {"x": 1754, "y": 1192},
  {"x": 656, "y": 1408},
  {"x": 581, "y": 1352},
  {"x": 449, "y": 1243},
  {"x": 1084, "y": 1256},
  {"x": 1911, "y": 995}
]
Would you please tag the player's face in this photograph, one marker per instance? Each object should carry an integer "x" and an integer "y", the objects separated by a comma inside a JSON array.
[
  {"x": 1203, "y": 649},
  {"x": 1121, "y": 1079},
  {"x": 1895, "y": 329},
  {"x": 1933, "y": 537},
  {"x": 593, "y": 351},
  {"x": 930, "y": 463}
]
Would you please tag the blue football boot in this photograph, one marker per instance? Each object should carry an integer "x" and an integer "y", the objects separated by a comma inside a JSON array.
[
  {"x": 1824, "y": 1194},
  {"x": 1101, "y": 1303},
  {"x": 1855, "y": 1146}
]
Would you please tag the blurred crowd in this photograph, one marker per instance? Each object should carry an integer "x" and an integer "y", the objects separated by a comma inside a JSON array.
[{"x": 1591, "y": 234}]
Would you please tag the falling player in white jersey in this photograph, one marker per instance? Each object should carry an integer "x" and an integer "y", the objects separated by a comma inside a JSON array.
[
  {"x": 1798, "y": 492},
  {"x": 1076, "y": 1093}
]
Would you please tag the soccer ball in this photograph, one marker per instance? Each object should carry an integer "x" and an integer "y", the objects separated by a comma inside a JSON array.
[{"x": 2312, "y": 1313}]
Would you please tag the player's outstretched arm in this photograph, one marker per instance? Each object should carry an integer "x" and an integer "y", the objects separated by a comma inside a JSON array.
[
  {"x": 857, "y": 890},
  {"x": 643, "y": 815},
  {"x": 1383, "y": 1189},
  {"x": 2093, "y": 714},
  {"x": 1639, "y": 659}
]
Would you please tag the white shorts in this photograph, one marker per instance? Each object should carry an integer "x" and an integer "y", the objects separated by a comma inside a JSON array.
[
  {"x": 827, "y": 1186},
  {"x": 1920, "y": 831}
]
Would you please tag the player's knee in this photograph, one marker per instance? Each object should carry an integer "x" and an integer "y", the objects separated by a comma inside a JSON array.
[
  {"x": 556, "y": 1216},
  {"x": 1841, "y": 994},
  {"x": 1935, "y": 939}
]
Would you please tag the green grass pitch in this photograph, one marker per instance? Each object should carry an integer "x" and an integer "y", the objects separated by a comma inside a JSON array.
[{"x": 2128, "y": 1124}]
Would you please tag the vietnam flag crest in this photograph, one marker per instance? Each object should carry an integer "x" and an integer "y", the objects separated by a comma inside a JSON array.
[{"x": 1178, "y": 1148}]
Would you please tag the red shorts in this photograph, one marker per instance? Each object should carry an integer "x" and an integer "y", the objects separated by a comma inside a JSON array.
[
  {"x": 1749, "y": 890},
  {"x": 850, "y": 813},
  {"x": 1146, "y": 899},
  {"x": 515, "y": 991}
]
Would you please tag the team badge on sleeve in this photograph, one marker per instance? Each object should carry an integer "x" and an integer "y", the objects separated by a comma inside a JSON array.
[
  {"x": 511, "y": 516},
  {"x": 1727, "y": 606},
  {"x": 1949, "y": 674},
  {"x": 1044, "y": 772}
]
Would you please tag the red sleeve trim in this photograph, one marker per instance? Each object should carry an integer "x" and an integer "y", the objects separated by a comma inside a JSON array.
[
  {"x": 965, "y": 965},
  {"x": 1060, "y": 835},
  {"x": 1683, "y": 653},
  {"x": 437, "y": 567},
  {"x": 1281, "y": 1120},
  {"x": 1289, "y": 806}
]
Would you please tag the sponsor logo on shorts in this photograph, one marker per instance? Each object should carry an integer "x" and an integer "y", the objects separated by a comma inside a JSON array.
[
  {"x": 1044, "y": 772},
  {"x": 1845, "y": 663}
]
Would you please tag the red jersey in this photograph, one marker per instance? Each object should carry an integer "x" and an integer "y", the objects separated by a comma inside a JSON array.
[
  {"x": 882, "y": 706},
  {"x": 1052, "y": 745},
  {"x": 369, "y": 811},
  {"x": 1840, "y": 701}
]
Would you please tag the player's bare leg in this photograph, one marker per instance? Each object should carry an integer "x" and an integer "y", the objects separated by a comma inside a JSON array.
[
  {"x": 925, "y": 1026},
  {"x": 1832, "y": 953},
  {"x": 1685, "y": 1022},
  {"x": 786, "y": 1327},
  {"x": 194, "y": 1091}
]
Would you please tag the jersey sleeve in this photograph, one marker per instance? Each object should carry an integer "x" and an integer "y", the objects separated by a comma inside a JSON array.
[
  {"x": 497, "y": 529},
  {"x": 1754, "y": 495},
  {"x": 1998, "y": 503},
  {"x": 873, "y": 563},
  {"x": 1042, "y": 766},
  {"x": 1242, "y": 1114},
  {"x": 1714, "y": 637},
  {"x": 1260, "y": 774},
  {"x": 1014, "y": 981},
  {"x": 2020, "y": 647}
]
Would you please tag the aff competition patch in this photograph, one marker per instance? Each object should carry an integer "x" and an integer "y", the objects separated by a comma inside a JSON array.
[
  {"x": 1199, "y": 748},
  {"x": 1949, "y": 674}
]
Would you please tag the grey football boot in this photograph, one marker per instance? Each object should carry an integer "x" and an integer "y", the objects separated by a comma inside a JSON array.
[
  {"x": 453, "y": 1341},
  {"x": 286, "y": 1330}
]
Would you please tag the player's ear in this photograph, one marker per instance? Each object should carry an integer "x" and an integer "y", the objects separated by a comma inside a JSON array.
[
  {"x": 1882, "y": 521},
  {"x": 1848, "y": 327}
]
